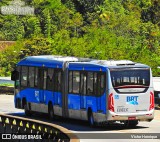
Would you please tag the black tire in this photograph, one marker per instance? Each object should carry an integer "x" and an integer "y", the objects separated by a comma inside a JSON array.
[
  {"x": 17, "y": 106},
  {"x": 26, "y": 110},
  {"x": 51, "y": 112},
  {"x": 91, "y": 119}
]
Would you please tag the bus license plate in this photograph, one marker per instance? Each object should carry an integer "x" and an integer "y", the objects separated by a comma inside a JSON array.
[{"x": 132, "y": 118}]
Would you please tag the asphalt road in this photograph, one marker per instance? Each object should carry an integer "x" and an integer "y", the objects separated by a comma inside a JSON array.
[{"x": 88, "y": 134}]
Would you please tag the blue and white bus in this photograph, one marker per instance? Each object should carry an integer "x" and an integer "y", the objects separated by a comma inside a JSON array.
[{"x": 98, "y": 91}]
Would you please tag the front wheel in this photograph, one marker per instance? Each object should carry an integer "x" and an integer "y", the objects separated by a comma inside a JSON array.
[{"x": 26, "y": 110}]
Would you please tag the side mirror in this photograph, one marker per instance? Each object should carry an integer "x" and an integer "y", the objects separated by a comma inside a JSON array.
[{"x": 14, "y": 75}]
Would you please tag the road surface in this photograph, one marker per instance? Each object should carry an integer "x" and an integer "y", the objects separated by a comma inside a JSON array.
[{"x": 97, "y": 134}]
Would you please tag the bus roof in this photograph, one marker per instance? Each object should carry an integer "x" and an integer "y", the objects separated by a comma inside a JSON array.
[
  {"x": 58, "y": 61},
  {"x": 49, "y": 60},
  {"x": 119, "y": 63},
  {"x": 89, "y": 66}
]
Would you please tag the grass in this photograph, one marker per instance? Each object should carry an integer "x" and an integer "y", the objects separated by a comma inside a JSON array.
[{"x": 7, "y": 84}]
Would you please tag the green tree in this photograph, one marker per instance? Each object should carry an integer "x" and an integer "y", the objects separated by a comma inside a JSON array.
[{"x": 11, "y": 28}]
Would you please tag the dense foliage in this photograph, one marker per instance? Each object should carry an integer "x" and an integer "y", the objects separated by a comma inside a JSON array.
[{"x": 102, "y": 29}]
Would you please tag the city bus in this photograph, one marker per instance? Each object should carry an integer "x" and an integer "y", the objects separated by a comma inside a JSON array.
[{"x": 98, "y": 91}]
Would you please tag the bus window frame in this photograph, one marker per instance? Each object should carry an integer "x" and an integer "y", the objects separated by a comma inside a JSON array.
[
  {"x": 55, "y": 85},
  {"x": 95, "y": 90},
  {"x": 52, "y": 78},
  {"x": 29, "y": 75},
  {"x": 21, "y": 86}
]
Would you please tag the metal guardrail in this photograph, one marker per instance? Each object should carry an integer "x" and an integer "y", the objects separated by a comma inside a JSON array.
[
  {"x": 21, "y": 126},
  {"x": 6, "y": 90}
]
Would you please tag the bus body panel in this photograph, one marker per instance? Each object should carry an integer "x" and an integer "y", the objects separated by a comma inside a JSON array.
[
  {"x": 133, "y": 104},
  {"x": 124, "y": 109},
  {"x": 78, "y": 105}
]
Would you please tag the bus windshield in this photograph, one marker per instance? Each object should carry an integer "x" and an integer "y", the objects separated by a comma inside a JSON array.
[{"x": 136, "y": 78}]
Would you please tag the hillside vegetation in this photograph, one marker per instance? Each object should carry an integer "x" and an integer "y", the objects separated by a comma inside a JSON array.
[{"x": 102, "y": 29}]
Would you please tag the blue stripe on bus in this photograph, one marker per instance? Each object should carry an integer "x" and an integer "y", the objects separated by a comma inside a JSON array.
[{"x": 86, "y": 67}]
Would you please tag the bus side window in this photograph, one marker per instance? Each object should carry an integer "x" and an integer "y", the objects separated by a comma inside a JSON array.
[
  {"x": 95, "y": 84},
  {"x": 90, "y": 83},
  {"x": 24, "y": 76},
  {"x": 50, "y": 79},
  {"x": 36, "y": 78},
  {"x": 17, "y": 82},
  {"x": 31, "y": 77},
  {"x": 98, "y": 85},
  {"x": 101, "y": 84},
  {"x": 83, "y": 89},
  {"x": 57, "y": 80},
  {"x": 76, "y": 81}
]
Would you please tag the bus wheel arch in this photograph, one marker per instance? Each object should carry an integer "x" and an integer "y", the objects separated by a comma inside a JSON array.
[
  {"x": 50, "y": 110},
  {"x": 91, "y": 120}
]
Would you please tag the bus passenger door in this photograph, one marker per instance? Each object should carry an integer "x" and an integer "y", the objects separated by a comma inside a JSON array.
[
  {"x": 83, "y": 90},
  {"x": 57, "y": 87},
  {"x": 42, "y": 78}
]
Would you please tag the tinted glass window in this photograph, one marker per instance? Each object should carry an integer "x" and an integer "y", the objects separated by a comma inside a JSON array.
[
  {"x": 101, "y": 83},
  {"x": 70, "y": 82},
  {"x": 40, "y": 78},
  {"x": 45, "y": 79},
  {"x": 50, "y": 79},
  {"x": 57, "y": 80},
  {"x": 17, "y": 82},
  {"x": 76, "y": 81},
  {"x": 36, "y": 78},
  {"x": 95, "y": 83},
  {"x": 83, "y": 83},
  {"x": 24, "y": 75},
  {"x": 90, "y": 81},
  {"x": 31, "y": 77}
]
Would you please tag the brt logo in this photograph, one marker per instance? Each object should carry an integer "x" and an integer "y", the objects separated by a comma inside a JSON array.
[{"x": 132, "y": 100}]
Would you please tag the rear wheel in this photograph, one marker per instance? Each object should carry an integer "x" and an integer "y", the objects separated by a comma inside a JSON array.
[{"x": 91, "y": 119}]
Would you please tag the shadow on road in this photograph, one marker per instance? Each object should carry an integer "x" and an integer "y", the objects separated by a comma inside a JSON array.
[{"x": 77, "y": 125}]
